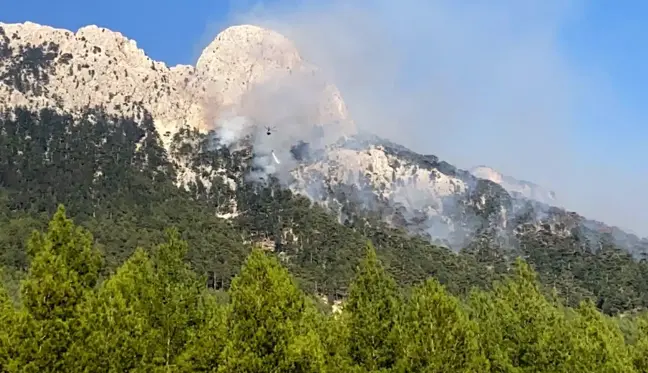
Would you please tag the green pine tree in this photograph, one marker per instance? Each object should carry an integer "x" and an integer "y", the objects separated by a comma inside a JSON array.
[
  {"x": 597, "y": 343},
  {"x": 271, "y": 322},
  {"x": 119, "y": 336},
  {"x": 8, "y": 318},
  {"x": 64, "y": 270},
  {"x": 372, "y": 308},
  {"x": 205, "y": 345},
  {"x": 143, "y": 317},
  {"x": 520, "y": 330},
  {"x": 334, "y": 333},
  {"x": 175, "y": 310},
  {"x": 436, "y": 334},
  {"x": 640, "y": 347}
]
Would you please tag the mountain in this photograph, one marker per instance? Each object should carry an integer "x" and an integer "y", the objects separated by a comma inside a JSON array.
[
  {"x": 90, "y": 121},
  {"x": 99, "y": 67},
  {"x": 523, "y": 188}
]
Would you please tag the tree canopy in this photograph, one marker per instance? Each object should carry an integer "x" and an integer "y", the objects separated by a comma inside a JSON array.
[{"x": 155, "y": 314}]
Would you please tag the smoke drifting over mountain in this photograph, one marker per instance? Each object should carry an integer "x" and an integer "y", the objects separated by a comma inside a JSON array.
[{"x": 472, "y": 82}]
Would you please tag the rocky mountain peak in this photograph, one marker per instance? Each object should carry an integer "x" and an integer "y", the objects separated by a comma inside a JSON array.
[
  {"x": 247, "y": 78},
  {"x": 43, "y": 66},
  {"x": 258, "y": 73}
]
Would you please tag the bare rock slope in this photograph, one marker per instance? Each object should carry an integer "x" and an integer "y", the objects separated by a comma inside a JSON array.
[{"x": 95, "y": 66}]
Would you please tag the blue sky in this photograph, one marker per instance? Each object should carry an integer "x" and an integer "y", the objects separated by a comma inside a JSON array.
[
  {"x": 602, "y": 42},
  {"x": 611, "y": 40}
]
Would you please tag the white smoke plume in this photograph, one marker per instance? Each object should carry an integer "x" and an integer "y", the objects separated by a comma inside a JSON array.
[
  {"x": 231, "y": 130},
  {"x": 275, "y": 115},
  {"x": 480, "y": 82}
]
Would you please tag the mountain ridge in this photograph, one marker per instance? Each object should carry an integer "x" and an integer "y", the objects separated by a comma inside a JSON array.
[
  {"x": 313, "y": 192},
  {"x": 99, "y": 67},
  {"x": 248, "y": 78}
]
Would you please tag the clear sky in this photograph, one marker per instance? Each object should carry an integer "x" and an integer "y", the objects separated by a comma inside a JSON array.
[
  {"x": 603, "y": 44},
  {"x": 610, "y": 38}
]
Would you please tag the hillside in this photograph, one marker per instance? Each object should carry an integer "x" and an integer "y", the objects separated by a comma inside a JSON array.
[
  {"x": 155, "y": 314},
  {"x": 131, "y": 147}
]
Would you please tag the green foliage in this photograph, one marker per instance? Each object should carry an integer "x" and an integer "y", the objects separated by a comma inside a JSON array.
[
  {"x": 154, "y": 314},
  {"x": 433, "y": 328},
  {"x": 8, "y": 317},
  {"x": 116, "y": 331},
  {"x": 597, "y": 343},
  {"x": 142, "y": 317},
  {"x": 639, "y": 349},
  {"x": 205, "y": 344},
  {"x": 64, "y": 268},
  {"x": 64, "y": 265},
  {"x": 270, "y": 326},
  {"x": 373, "y": 305},
  {"x": 174, "y": 309},
  {"x": 520, "y": 330},
  {"x": 334, "y": 335},
  {"x": 117, "y": 181}
]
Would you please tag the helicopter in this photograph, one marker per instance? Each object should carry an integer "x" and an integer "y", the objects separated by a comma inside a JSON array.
[{"x": 269, "y": 129}]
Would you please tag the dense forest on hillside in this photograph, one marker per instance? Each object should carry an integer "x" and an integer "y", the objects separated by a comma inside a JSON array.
[
  {"x": 117, "y": 181},
  {"x": 155, "y": 314}
]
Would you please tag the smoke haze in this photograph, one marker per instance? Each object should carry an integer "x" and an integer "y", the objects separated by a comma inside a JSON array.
[{"x": 477, "y": 83}]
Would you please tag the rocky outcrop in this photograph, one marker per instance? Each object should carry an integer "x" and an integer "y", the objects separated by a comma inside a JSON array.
[
  {"x": 42, "y": 66},
  {"x": 48, "y": 67},
  {"x": 524, "y": 188},
  {"x": 416, "y": 192}
]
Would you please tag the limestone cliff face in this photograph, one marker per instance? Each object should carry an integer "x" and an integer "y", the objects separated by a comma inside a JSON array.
[
  {"x": 257, "y": 74},
  {"x": 45, "y": 66},
  {"x": 92, "y": 67},
  {"x": 417, "y": 192}
]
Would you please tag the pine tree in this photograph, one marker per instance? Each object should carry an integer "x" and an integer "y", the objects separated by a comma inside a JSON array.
[
  {"x": 520, "y": 330},
  {"x": 597, "y": 343},
  {"x": 143, "y": 316},
  {"x": 64, "y": 269},
  {"x": 334, "y": 334},
  {"x": 270, "y": 322},
  {"x": 372, "y": 307},
  {"x": 119, "y": 336},
  {"x": 205, "y": 345},
  {"x": 175, "y": 309},
  {"x": 640, "y": 347},
  {"x": 8, "y": 317},
  {"x": 436, "y": 334}
]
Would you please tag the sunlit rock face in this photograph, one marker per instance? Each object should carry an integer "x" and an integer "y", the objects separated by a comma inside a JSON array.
[
  {"x": 246, "y": 70},
  {"x": 248, "y": 80}
]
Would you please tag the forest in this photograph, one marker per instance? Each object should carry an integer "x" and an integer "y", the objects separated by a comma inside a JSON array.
[
  {"x": 117, "y": 181},
  {"x": 155, "y": 314}
]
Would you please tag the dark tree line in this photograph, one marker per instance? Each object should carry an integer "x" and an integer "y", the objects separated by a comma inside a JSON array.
[{"x": 117, "y": 181}]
